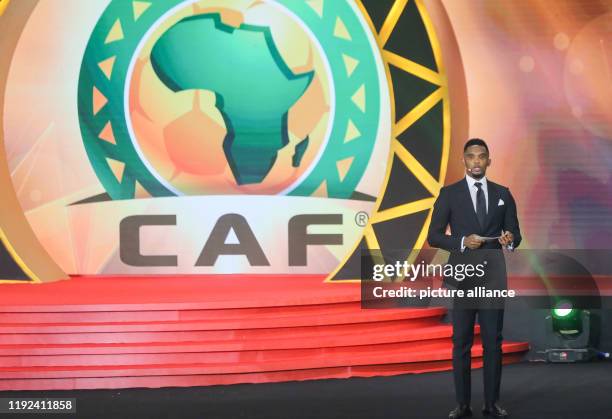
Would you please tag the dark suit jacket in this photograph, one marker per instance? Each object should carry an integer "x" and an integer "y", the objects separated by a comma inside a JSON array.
[{"x": 454, "y": 208}]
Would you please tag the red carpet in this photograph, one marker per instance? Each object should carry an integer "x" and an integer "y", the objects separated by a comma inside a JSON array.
[{"x": 117, "y": 332}]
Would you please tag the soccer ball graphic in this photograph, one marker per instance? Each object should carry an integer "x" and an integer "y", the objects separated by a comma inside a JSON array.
[{"x": 229, "y": 98}]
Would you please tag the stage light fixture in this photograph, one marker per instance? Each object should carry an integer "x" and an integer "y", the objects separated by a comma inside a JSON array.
[{"x": 569, "y": 332}]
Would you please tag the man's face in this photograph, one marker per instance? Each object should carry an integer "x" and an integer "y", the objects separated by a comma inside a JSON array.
[{"x": 476, "y": 160}]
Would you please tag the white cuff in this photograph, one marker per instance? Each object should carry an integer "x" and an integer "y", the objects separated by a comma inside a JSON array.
[{"x": 462, "y": 245}]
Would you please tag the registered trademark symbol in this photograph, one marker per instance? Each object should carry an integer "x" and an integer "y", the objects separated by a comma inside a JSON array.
[
  {"x": 361, "y": 218},
  {"x": 485, "y": 262}
]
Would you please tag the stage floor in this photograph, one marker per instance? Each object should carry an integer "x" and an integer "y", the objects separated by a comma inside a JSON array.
[{"x": 529, "y": 391}]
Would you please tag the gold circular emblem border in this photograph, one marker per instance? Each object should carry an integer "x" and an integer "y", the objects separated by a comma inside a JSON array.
[{"x": 438, "y": 27}]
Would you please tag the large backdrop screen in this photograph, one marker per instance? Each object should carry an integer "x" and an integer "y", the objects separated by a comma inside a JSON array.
[{"x": 283, "y": 136}]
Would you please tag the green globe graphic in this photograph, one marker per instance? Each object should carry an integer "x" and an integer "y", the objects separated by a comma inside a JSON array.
[
  {"x": 201, "y": 52},
  {"x": 223, "y": 97}
]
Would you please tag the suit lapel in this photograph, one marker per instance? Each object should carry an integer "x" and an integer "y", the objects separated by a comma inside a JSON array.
[{"x": 493, "y": 200}]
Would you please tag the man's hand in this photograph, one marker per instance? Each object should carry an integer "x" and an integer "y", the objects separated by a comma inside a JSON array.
[
  {"x": 473, "y": 241},
  {"x": 506, "y": 238}
]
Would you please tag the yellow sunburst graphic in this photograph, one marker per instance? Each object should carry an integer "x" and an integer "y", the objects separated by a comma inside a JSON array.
[
  {"x": 431, "y": 182},
  {"x": 3, "y": 6}
]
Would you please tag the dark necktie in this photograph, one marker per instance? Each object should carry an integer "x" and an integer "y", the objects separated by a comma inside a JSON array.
[{"x": 481, "y": 205}]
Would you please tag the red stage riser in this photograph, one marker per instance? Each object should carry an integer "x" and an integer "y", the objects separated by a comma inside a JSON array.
[
  {"x": 177, "y": 292},
  {"x": 161, "y": 374},
  {"x": 226, "y": 379},
  {"x": 171, "y": 347},
  {"x": 109, "y": 332},
  {"x": 203, "y": 342},
  {"x": 264, "y": 313},
  {"x": 362, "y": 316},
  {"x": 249, "y": 339},
  {"x": 70, "y": 366}
]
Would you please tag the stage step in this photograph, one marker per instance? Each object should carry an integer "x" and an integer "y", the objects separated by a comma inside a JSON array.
[
  {"x": 247, "y": 339},
  {"x": 175, "y": 292},
  {"x": 210, "y": 341},
  {"x": 121, "y": 365},
  {"x": 260, "y": 314},
  {"x": 227, "y": 379},
  {"x": 355, "y": 316}
]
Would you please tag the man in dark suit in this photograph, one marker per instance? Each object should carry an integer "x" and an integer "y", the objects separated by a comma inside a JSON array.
[{"x": 476, "y": 210}]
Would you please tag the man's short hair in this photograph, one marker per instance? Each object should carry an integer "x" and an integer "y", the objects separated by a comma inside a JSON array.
[{"x": 475, "y": 141}]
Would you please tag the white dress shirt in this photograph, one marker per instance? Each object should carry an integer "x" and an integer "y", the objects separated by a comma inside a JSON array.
[{"x": 473, "y": 191}]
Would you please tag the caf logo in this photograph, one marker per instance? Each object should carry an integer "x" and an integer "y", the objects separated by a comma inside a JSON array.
[
  {"x": 225, "y": 97},
  {"x": 255, "y": 108}
]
